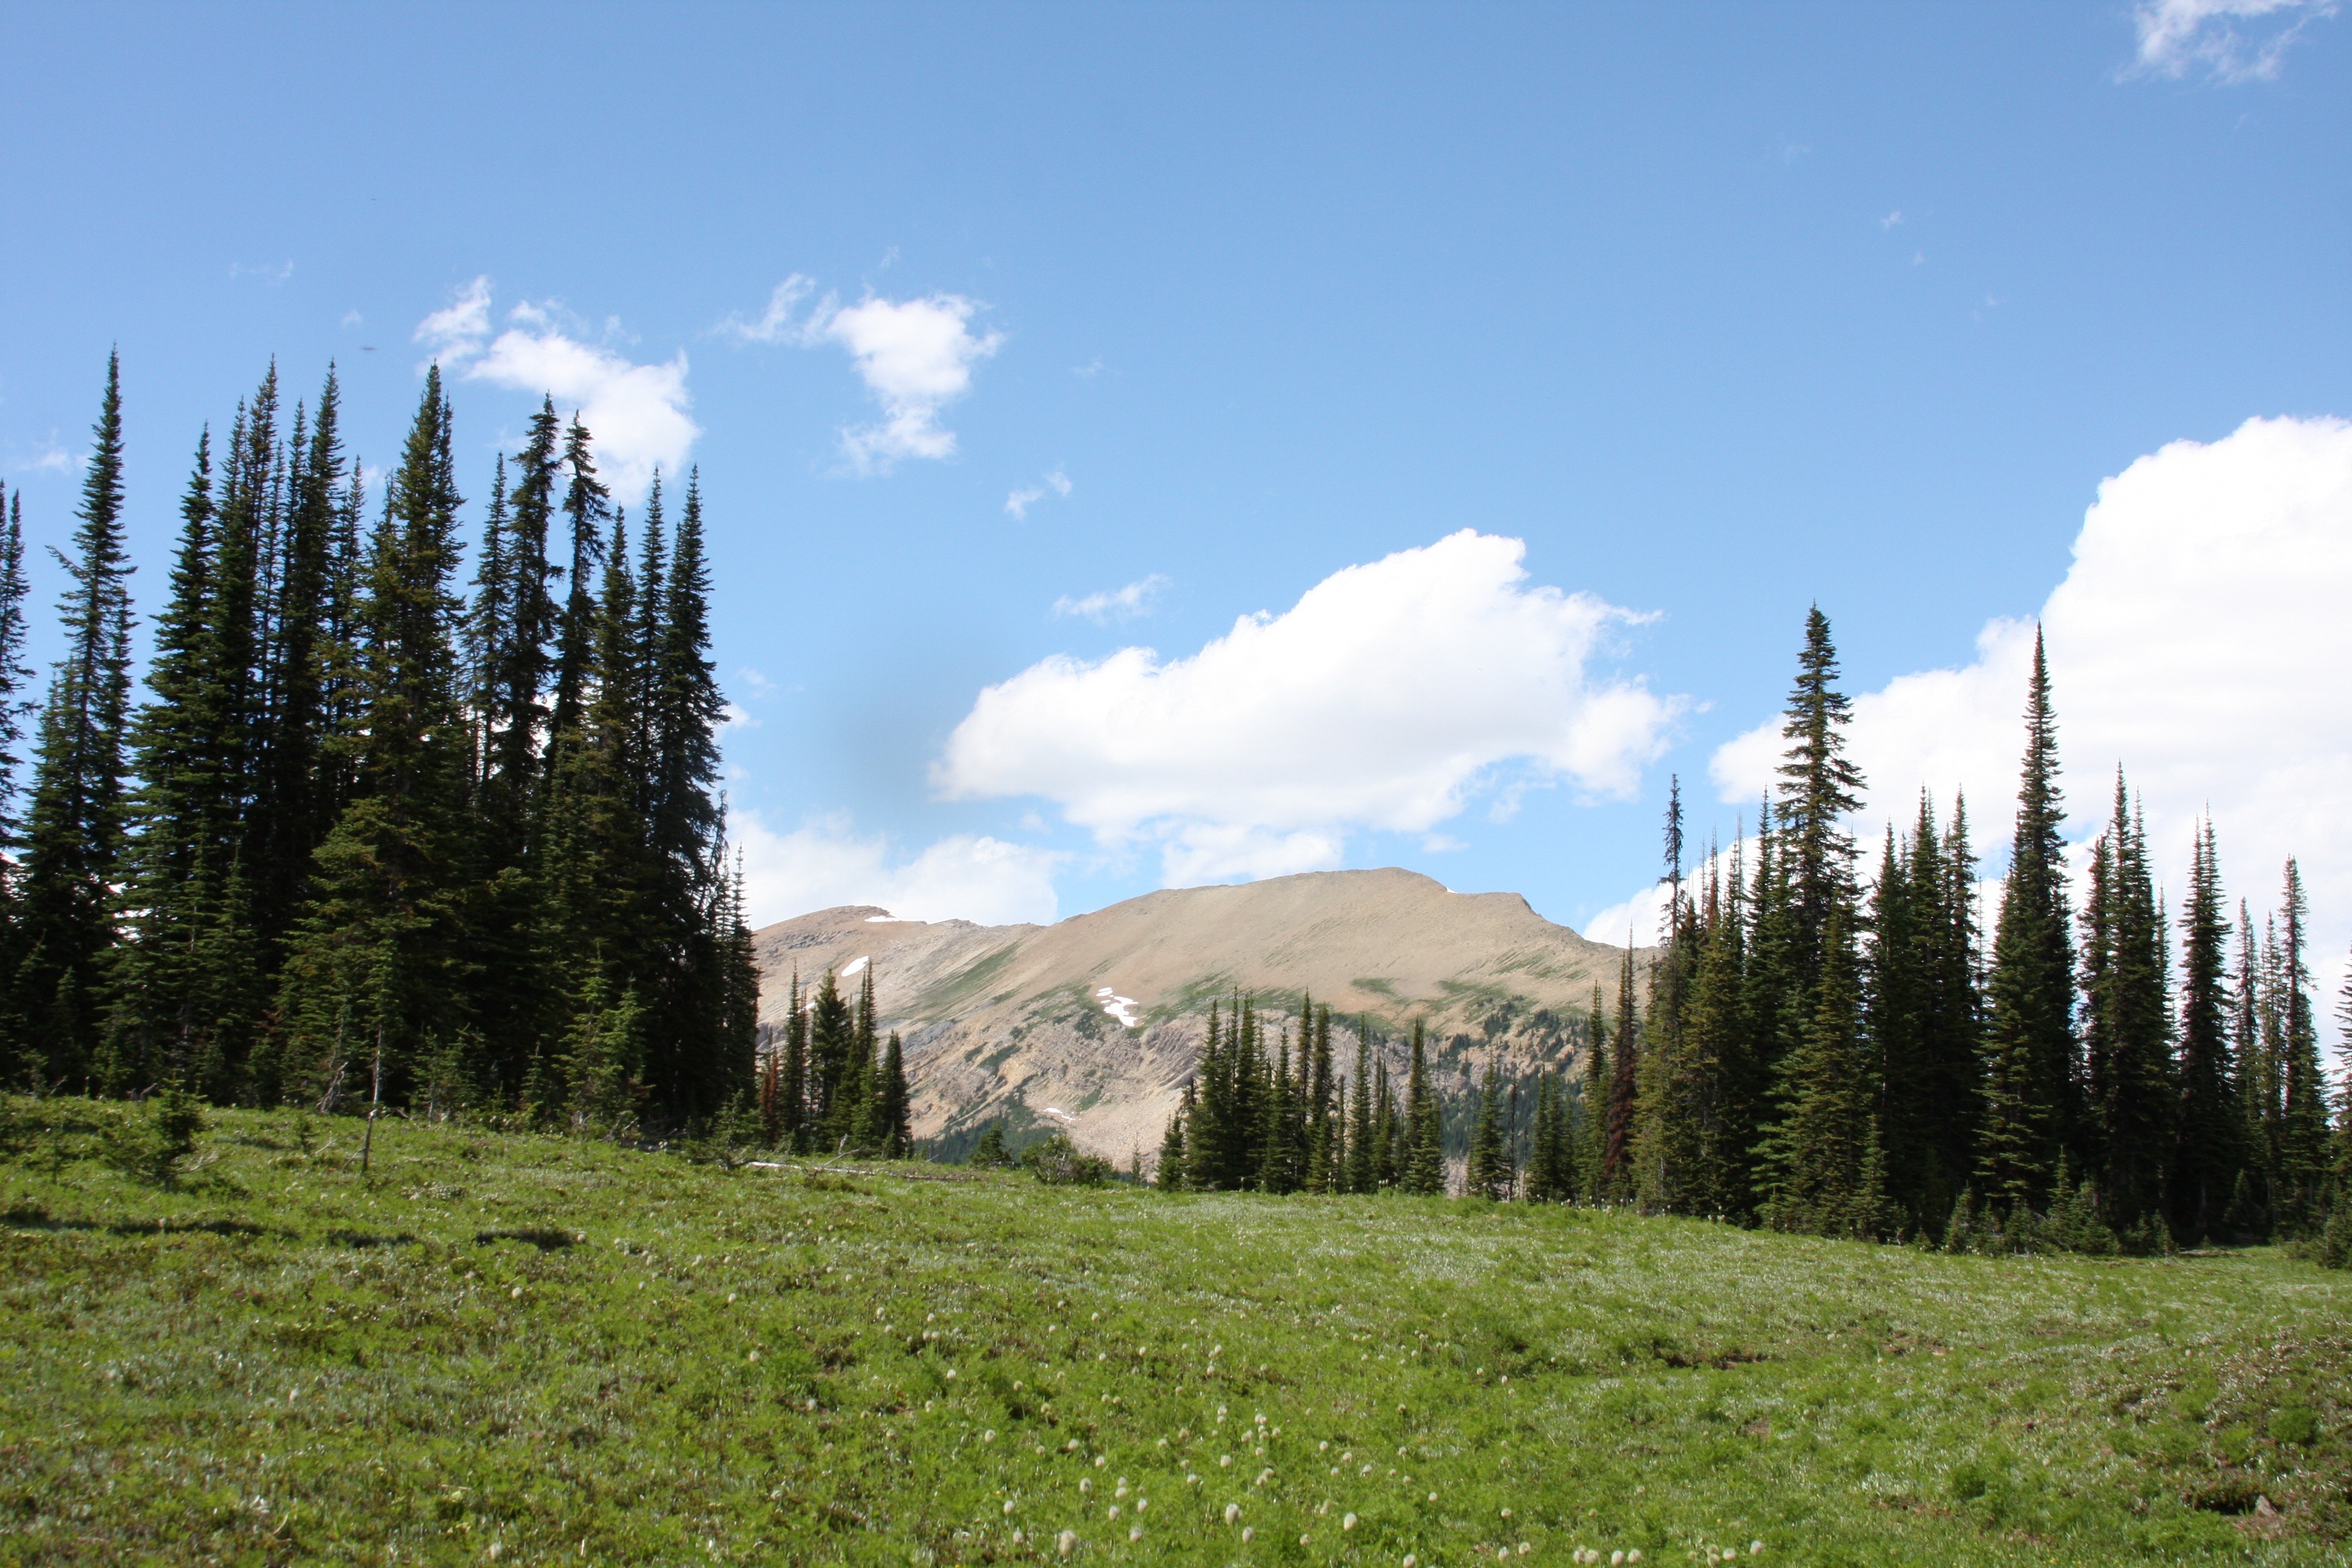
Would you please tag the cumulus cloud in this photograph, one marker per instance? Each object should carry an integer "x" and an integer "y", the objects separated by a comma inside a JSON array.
[
  {"x": 825, "y": 862},
  {"x": 1382, "y": 700},
  {"x": 2233, "y": 40},
  {"x": 2200, "y": 641},
  {"x": 637, "y": 412},
  {"x": 1114, "y": 604},
  {"x": 1019, "y": 502},
  {"x": 915, "y": 357},
  {"x": 1642, "y": 916}
]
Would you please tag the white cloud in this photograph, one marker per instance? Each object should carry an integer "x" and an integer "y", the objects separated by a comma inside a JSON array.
[
  {"x": 459, "y": 328},
  {"x": 1890, "y": 219},
  {"x": 1019, "y": 502},
  {"x": 1114, "y": 604},
  {"x": 825, "y": 862},
  {"x": 1382, "y": 700},
  {"x": 914, "y": 355},
  {"x": 2234, "y": 40},
  {"x": 272, "y": 274},
  {"x": 2200, "y": 641},
  {"x": 1644, "y": 914},
  {"x": 636, "y": 412},
  {"x": 776, "y": 323}
]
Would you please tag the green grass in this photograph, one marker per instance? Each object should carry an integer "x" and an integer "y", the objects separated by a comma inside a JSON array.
[{"x": 559, "y": 1350}]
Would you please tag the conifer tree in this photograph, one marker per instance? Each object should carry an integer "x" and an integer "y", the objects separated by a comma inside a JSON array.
[
  {"x": 1715, "y": 1135},
  {"x": 892, "y": 1106},
  {"x": 1488, "y": 1174},
  {"x": 587, "y": 507},
  {"x": 1388, "y": 1130},
  {"x": 1206, "y": 1124},
  {"x": 1423, "y": 1165},
  {"x": 1819, "y": 786},
  {"x": 75, "y": 829},
  {"x": 1363, "y": 1150},
  {"x": 832, "y": 1051},
  {"x": 371, "y": 972},
  {"x": 792, "y": 1074},
  {"x": 1277, "y": 1169},
  {"x": 515, "y": 614},
  {"x": 2209, "y": 1148},
  {"x": 2302, "y": 1144},
  {"x": 293, "y": 802},
  {"x": 1617, "y": 1176},
  {"x": 1815, "y": 1153},
  {"x": 1939, "y": 1135},
  {"x": 1673, "y": 1093},
  {"x": 1592, "y": 1107},
  {"x": 1169, "y": 1177},
  {"x": 184, "y": 986},
  {"x": 2029, "y": 1070},
  {"x": 2127, "y": 1040}
]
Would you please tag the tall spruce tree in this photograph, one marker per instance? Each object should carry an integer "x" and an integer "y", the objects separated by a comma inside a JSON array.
[
  {"x": 76, "y": 823},
  {"x": 1591, "y": 1107},
  {"x": 184, "y": 987},
  {"x": 2030, "y": 1078},
  {"x": 1823, "y": 1144},
  {"x": 2128, "y": 1133},
  {"x": 374, "y": 978},
  {"x": 1423, "y": 1167},
  {"x": 2303, "y": 1142},
  {"x": 293, "y": 805},
  {"x": 1820, "y": 785},
  {"x": 2209, "y": 1148},
  {"x": 1617, "y": 1175},
  {"x": 1363, "y": 1150}
]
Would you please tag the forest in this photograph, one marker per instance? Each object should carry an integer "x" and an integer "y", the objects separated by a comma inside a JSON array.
[
  {"x": 1809, "y": 1051},
  {"x": 379, "y": 834}
]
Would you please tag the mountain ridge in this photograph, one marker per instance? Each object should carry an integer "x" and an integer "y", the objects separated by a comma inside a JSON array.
[{"x": 1093, "y": 1023}]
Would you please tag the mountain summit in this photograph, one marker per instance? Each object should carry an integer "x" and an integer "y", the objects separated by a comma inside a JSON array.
[{"x": 1093, "y": 1024}]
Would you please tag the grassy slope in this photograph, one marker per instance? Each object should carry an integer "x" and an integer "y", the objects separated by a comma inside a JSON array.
[{"x": 346, "y": 1370}]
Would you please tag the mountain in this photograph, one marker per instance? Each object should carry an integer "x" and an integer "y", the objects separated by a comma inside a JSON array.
[{"x": 1092, "y": 1025}]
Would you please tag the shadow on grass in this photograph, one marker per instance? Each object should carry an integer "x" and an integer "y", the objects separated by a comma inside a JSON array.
[{"x": 544, "y": 1239}]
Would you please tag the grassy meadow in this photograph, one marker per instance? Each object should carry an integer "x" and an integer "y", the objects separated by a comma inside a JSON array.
[{"x": 531, "y": 1350}]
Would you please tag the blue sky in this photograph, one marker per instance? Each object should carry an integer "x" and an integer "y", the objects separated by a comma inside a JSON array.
[{"x": 970, "y": 312}]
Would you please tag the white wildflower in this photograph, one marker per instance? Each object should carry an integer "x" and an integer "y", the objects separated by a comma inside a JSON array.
[{"x": 1232, "y": 1512}]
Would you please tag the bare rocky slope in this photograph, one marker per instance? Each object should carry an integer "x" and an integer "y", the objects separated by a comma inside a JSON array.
[{"x": 1094, "y": 1024}]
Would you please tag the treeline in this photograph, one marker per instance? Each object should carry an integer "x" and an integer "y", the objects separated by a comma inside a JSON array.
[
  {"x": 376, "y": 835},
  {"x": 1810, "y": 1052},
  {"x": 827, "y": 1083}
]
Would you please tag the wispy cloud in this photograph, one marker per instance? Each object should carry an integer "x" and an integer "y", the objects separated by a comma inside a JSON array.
[
  {"x": 1114, "y": 604},
  {"x": 1892, "y": 219},
  {"x": 52, "y": 458},
  {"x": 1019, "y": 502},
  {"x": 915, "y": 357},
  {"x": 637, "y": 412},
  {"x": 272, "y": 273},
  {"x": 2233, "y": 41}
]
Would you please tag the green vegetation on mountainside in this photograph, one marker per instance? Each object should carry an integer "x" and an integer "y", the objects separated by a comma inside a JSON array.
[{"x": 560, "y": 1349}]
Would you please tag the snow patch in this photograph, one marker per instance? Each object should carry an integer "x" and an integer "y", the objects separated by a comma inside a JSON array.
[
  {"x": 854, "y": 965},
  {"x": 892, "y": 919},
  {"x": 1057, "y": 1111},
  {"x": 1119, "y": 1007}
]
